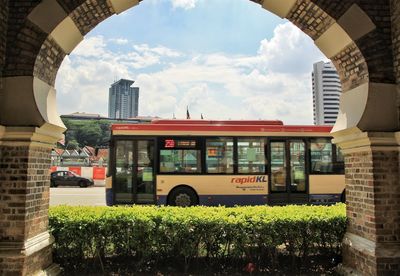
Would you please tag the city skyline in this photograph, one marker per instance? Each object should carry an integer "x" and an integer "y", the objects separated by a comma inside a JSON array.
[{"x": 208, "y": 56}]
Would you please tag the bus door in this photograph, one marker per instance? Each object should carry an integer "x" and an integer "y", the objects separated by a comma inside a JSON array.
[
  {"x": 288, "y": 178},
  {"x": 134, "y": 172}
]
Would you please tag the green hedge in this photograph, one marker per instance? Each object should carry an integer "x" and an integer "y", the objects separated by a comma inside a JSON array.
[{"x": 148, "y": 235}]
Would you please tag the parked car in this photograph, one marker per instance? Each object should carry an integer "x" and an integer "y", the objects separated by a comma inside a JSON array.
[{"x": 67, "y": 178}]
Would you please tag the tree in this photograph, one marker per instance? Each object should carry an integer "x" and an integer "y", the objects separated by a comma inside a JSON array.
[
  {"x": 72, "y": 145},
  {"x": 87, "y": 133}
]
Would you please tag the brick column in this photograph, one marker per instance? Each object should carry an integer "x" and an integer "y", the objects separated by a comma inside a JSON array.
[
  {"x": 372, "y": 243},
  {"x": 25, "y": 243}
]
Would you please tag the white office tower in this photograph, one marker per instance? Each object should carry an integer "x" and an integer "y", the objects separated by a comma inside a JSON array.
[
  {"x": 123, "y": 101},
  {"x": 326, "y": 93}
]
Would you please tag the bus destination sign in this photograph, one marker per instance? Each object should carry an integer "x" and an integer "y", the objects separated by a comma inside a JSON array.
[{"x": 171, "y": 143}]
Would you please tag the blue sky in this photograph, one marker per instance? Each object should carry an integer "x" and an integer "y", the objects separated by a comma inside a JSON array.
[{"x": 223, "y": 58}]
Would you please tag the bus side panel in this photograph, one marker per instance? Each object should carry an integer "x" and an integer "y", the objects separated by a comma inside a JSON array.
[
  {"x": 326, "y": 188},
  {"x": 218, "y": 189},
  {"x": 109, "y": 191},
  {"x": 232, "y": 200}
]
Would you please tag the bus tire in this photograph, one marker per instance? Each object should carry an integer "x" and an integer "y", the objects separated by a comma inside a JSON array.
[
  {"x": 343, "y": 196},
  {"x": 183, "y": 197}
]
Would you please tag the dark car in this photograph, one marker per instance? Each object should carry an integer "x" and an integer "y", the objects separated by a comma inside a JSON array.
[{"x": 67, "y": 178}]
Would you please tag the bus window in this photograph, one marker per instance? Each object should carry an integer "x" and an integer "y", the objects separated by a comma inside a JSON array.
[
  {"x": 219, "y": 155},
  {"x": 278, "y": 167},
  {"x": 338, "y": 164},
  {"x": 251, "y": 157},
  {"x": 123, "y": 171},
  {"x": 180, "y": 161},
  {"x": 321, "y": 156},
  {"x": 339, "y": 155},
  {"x": 297, "y": 167}
]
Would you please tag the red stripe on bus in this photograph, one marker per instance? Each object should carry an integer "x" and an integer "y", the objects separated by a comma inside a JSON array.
[
  {"x": 217, "y": 122},
  {"x": 233, "y": 128}
]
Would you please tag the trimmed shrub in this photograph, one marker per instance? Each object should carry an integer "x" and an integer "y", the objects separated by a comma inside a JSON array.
[{"x": 151, "y": 236}]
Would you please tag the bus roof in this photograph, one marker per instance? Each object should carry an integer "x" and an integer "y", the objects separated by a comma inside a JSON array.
[{"x": 240, "y": 126}]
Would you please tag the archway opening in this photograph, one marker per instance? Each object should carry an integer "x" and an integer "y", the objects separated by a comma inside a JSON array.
[
  {"x": 358, "y": 41},
  {"x": 215, "y": 61}
]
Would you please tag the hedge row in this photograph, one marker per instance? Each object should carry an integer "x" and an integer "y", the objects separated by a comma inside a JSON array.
[{"x": 150, "y": 234}]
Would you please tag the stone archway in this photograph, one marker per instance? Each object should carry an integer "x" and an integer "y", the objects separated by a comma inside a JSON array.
[{"x": 362, "y": 38}]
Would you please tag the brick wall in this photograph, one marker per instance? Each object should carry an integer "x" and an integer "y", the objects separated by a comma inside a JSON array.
[
  {"x": 373, "y": 207},
  {"x": 373, "y": 195},
  {"x": 310, "y": 18},
  {"x": 25, "y": 181},
  {"x": 91, "y": 13},
  {"x": 70, "y": 5},
  {"x": 31, "y": 265},
  {"x": 376, "y": 46},
  {"x": 24, "y": 39},
  {"x": 351, "y": 67},
  {"x": 3, "y": 33},
  {"x": 48, "y": 61},
  {"x": 395, "y": 9}
]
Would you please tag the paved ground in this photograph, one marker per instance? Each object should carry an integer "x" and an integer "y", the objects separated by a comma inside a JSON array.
[{"x": 91, "y": 196}]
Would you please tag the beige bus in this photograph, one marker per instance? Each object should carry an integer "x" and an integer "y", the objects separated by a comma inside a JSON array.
[{"x": 202, "y": 162}]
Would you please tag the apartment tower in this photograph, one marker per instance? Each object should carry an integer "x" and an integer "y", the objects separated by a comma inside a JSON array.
[
  {"x": 123, "y": 100},
  {"x": 326, "y": 93}
]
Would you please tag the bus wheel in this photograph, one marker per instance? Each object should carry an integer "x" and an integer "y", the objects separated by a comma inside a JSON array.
[{"x": 183, "y": 197}]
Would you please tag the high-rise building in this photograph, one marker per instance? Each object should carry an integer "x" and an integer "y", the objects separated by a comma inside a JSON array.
[
  {"x": 326, "y": 93},
  {"x": 123, "y": 101}
]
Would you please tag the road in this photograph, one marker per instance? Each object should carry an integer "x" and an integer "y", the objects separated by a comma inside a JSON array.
[{"x": 73, "y": 196}]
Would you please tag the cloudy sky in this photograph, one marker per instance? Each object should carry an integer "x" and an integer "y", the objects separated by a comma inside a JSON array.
[{"x": 226, "y": 59}]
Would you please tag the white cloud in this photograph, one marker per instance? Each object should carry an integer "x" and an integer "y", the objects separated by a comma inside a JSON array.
[
  {"x": 184, "y": 4},
  {"x": 159, "y": 50},
  {"x": 289, "y": 50},
  {"x": 119, "y": 41},
  {"x": 274, "y": 83},
  {"x": 94, "y": 46}
]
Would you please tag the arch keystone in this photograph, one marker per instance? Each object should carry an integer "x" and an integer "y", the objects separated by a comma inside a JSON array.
[
  {"x": 368, "y": 107},
  {"x": 122, "y": 5},
  {"x": 47, "y": 15},
  {"x": 29, "y": 101},
  {"x": 334, "y": 40},
  {"x": 356, "y": 22},
  {"x": 279, "y": 7},
  {"x": 67, "y": 35},
  {"x": 18, "y": 104},
  {"x": 45, "y": 97}
]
